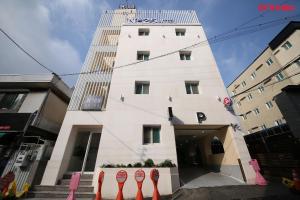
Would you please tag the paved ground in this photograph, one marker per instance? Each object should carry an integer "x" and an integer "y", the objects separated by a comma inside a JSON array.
[{"x": 197, "y": 177}]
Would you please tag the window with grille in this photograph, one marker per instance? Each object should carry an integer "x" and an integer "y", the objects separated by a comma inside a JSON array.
[
  {"x": 287, "y": 45},
  {"x": 253, "y": 75},
  {"x": 11, "y": 101},
  {"x": 269, "y": 62},
  {"x": 244, "y": 84},
  {"x": 269, "y": 104},
  {"x": 256, "y": 111},
  {"x": 279, "y": 76},
  {"x": 261, "y": 89}
]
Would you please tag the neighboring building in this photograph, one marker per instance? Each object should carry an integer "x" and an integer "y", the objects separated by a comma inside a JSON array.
[
  {"x": 130, "y": 104},
  {"x": 276, "y": 67},
  {"x": 32, "y": 108}
]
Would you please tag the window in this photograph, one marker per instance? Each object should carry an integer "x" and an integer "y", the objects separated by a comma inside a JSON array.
[
  {"x": 249, "y": 96},
  {"x": 142, "y": 87},
  {"x": 151, "y": 135},
  {"x": 256, "y": 111},
  {"x": 11, "y": 101},
  {"x": 185, "y": 55},
  {"x": 143, "y": 31},
  {"x": 253, "y": 75},
  {"x": 244, "y": 84},
  {"x": 298, "y": 62},
  {"x": 143, "y": 55},
  {"x": 287, "y": 45},
  {"x": 269, "y": 104},
  {"x": 244, "y": 117},
  {"x": 269, "y": 61},
  {"x": 263, "y": 127},
  {"x": 261, "y": 89},
  {"x": 180, "y": 32},
  {"x": 216, "y": 146},
  {"x": 278, "y": 122},
  {"x": 279, "y": 76},
  {"x": 192, "y": 87}
]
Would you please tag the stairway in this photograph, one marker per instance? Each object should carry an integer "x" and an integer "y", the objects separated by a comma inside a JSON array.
[{"x": 61, "y": 191}]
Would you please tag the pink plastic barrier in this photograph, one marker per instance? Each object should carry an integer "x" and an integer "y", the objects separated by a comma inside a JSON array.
[
  {"x": 259, "y": 180},
  {"x": 73, "y": 185}
]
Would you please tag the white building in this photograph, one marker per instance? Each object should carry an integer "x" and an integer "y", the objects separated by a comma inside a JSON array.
[{"x": 122, "y": 99}]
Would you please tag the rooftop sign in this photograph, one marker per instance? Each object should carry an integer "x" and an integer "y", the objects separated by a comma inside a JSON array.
[{"x": 150, "y": 20}]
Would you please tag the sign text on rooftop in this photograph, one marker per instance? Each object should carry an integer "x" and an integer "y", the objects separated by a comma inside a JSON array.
[{"x": 150, "y": 20}]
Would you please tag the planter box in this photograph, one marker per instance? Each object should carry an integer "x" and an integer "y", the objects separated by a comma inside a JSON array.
[{"x": 167, "y": 184}]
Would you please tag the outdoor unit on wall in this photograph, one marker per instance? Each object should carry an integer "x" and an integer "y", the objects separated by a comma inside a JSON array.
[
  {"x": 92, "y": 102},
  {"x": 22, "y": 159}
]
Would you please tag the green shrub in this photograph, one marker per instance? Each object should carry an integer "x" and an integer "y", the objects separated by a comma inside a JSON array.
[
  {"x": 138, "y": 164},
  {"x": 108, "y": 166},
  {"x": 149, "y": 163},
  {"x": 129, "y": 165},
  {"x": 166, "y": 163}
]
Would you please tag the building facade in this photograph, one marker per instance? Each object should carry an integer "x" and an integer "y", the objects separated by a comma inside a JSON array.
[
  {"x": 146, "y": 90},
  {"x": 253, "y": 91},
  {"x": 32, "y": 108}
]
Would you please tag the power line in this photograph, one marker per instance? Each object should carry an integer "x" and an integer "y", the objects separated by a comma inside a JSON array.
[
  {"x": 298, "y": 73},
  {"x": 246, "y": 30},
  {"x": 26, "y": 52},
  {"x": 268, "y": 77}
]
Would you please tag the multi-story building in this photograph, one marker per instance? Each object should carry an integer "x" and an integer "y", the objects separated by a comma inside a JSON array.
[
  {"x": 254, "y": 89},
  {"x": 147, "y": 90},
  {"x": 32, "y": 109}
]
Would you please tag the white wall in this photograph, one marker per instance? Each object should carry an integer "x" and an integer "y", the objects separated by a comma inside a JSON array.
[
  {"x": 121, "y": 140},
  {"x": 32, "y": 102}
]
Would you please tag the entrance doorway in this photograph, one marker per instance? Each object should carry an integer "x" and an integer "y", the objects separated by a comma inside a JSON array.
[{"x": 84, "y": 154}]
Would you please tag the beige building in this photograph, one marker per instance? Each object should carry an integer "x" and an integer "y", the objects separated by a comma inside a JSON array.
[{"x": 276, "y": 67}]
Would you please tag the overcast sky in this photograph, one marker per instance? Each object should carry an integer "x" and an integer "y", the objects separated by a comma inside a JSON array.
[{"x": 58, "y": 32}]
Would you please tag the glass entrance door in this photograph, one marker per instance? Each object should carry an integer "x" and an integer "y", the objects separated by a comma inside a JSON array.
[{"x": 84, "y": 154}]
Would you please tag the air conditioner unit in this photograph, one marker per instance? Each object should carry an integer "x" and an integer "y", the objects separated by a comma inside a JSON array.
[{"x": 22, "y": 159}]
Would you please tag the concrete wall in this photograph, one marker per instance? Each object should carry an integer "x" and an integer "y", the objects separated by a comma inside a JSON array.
[
  {"x": 52, "y": 113},
  {"x": 167, "y": 184},
  {"x": 32, "y": 102}
]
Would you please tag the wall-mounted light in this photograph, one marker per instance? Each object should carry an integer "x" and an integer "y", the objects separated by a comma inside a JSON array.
[
  {"x": 129, "y": 35},
  {"x": 170, "y": 98},
  {"x": 122, "y": 98},
  {"x": 164, "y": 36}
]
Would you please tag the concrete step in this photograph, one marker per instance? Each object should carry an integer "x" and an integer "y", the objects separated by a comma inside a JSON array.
[
  {"x": 58, "y": 194},
  {"x": 83, "y": 176},
  {"x": 57, "y": 198},
  {"x": 63, "y": 188},
  {"x": 82, "y": 182}
]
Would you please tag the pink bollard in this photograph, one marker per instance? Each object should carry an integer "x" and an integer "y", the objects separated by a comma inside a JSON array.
[
  {"x": 259, "y": 179},
  {"x": 73, "y": 185}
]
